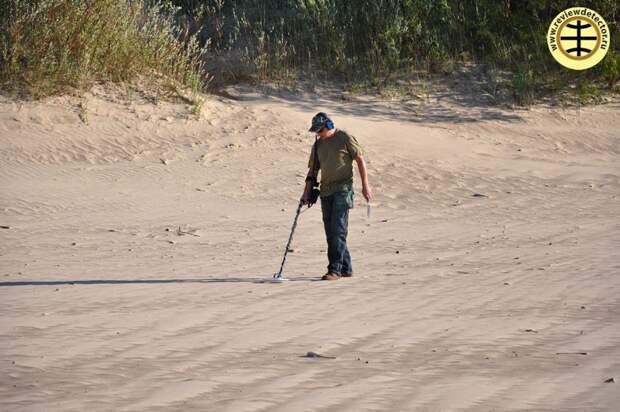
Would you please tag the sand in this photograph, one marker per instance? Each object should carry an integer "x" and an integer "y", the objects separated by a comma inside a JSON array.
[{"x": 137, "y": 240}]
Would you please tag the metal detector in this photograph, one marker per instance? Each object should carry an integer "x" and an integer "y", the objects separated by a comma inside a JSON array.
[{"x": 278, "y": 276}]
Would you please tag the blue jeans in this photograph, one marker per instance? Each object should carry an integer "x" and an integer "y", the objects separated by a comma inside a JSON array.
[{"x": 335, "y": 210}]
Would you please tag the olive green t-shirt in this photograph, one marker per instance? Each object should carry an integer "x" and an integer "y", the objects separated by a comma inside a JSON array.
[{"x": 336, "y": 155}]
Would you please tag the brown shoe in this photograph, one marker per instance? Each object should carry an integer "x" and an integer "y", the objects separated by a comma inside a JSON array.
[{"x": 330, "y": 276}]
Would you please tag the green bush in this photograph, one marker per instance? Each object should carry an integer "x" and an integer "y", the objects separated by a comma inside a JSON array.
[
  {"x": 49, "y": 45},
  {"x": 610, "y": 68},
  {"x": 372, "y": 40}
]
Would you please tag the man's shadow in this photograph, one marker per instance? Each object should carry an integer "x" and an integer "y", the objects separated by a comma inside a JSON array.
[{"x": 255, "y": 280}]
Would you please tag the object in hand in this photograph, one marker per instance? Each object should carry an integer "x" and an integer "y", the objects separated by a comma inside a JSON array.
[{"x": 314, "y": 195}]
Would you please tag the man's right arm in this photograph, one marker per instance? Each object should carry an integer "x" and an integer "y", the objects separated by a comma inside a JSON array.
[
  {"x": 305, "y": 197},
  {"x": 311, "y": 177}
]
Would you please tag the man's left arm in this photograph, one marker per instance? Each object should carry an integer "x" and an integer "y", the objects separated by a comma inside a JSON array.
[{"x": 361, "y": 166}]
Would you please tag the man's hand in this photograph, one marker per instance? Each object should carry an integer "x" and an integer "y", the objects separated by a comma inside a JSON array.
[
  {"x": 305, "y": 198},
  {"x": 367, "y": 193},
  {"x": 361, "y": 165}
]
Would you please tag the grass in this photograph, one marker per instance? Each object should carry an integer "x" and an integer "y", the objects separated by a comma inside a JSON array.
[
  {"x": 524, "y": 87},
  {"x": 588, "y": 92},
  {"x": 48, "y": 46}
]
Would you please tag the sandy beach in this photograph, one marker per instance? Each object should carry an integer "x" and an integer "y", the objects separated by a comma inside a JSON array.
[{"x": 138, "y": 241}]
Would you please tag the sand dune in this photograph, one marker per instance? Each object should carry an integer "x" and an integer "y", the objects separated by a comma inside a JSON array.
[{"x": 139, "y": 240}]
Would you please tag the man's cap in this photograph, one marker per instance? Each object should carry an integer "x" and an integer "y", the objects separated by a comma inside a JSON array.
[{"x": 318, "y": 122}]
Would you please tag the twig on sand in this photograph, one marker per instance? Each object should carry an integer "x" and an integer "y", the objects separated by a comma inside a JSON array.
[
  {"x": 571, "y": 353},
  {"x": 182, "y": 232},
  {"x": 317, "y": 355}
]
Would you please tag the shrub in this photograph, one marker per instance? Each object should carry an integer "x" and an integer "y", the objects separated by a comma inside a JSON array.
[{"x": 49, "y": 45}]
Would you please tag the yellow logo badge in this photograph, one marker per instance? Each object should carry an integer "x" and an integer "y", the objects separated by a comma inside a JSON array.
[{"x": 578, "y": 38}]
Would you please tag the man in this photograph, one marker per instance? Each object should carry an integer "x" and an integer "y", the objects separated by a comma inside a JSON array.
[{"x": 333, "y": 154}]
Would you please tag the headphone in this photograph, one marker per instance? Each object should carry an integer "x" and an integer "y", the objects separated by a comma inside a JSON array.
[{"x": 329, "y": 124}]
